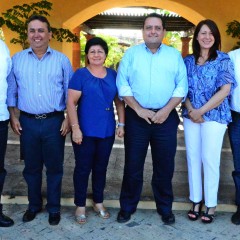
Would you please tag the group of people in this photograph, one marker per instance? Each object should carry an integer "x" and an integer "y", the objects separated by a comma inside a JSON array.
[{"x": 152, "y": 80}]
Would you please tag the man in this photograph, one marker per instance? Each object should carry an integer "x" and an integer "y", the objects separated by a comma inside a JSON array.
[
  {"x": 152, "y": 81},
  {"x": 234, "y": 132},
  {"x": 38, "y": 88},
  {"x": 5, "y": 68}
]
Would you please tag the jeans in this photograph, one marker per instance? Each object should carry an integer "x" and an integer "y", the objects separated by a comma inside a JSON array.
[
  {"x": 3, "y": 147},
  {"x": 43, "y": 144},
  {"x": 234, "y": 137},
  {"x": 92, "y": 155},
  {"x": 163, "y": 141}
]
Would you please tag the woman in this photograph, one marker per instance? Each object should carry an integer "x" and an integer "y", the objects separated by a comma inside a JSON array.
[
  {"x": 206, "y": 115},
  {"x": 93, "y": 89}
]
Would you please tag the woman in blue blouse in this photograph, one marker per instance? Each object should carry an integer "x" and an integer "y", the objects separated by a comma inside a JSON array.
[
  {"x": 206, "y": 115},
  {"x": 93, "y": 89}
]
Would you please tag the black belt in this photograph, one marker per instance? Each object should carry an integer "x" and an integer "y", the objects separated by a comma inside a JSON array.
[
  {"x": 42, "y": 115},
  {"x": 154, "y": 110}
]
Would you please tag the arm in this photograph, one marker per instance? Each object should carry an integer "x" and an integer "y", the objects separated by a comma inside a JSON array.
[
  {"x": 120, "y": 106},
  {"x": 213, "y": 102},
  {"x": 67, "y": 74},
  {"x": 73, "y": 97},
  {"x": 15, "y": 124}
]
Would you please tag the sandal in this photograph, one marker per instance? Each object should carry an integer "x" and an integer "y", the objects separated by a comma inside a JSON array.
[
  {"x": 192, "y": 211},
  {"x": 209, "y": 216},
  {"x": 80, "y": 216},
  {"x": 103, "y": 213}
]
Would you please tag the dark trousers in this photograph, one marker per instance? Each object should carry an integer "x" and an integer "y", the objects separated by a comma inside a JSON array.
[
  {"x": 234, "y": 136},
  {"x": 42, "y": 144},
  {"x": 163, "y": 141},
  {"x": 3, "y": 147},
  {"x": 91, "y": 155}
]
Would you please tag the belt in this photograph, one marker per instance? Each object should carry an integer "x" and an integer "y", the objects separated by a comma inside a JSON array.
[
  {"x": 154, "y": 110},
  {"x": 42, "y": 115}
]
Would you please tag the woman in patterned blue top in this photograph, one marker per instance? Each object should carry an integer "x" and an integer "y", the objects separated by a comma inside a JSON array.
[
  {"x": 206, "y": 114},
  {"x": 93, "y": 89}
]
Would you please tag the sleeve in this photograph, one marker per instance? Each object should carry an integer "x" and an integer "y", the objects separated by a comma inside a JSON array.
[
  {"x": 12, "y": 92},
  {"x": 226, "y": 74},
  {"x": 181, "y": 81},
  {"x": 67, "y": 74},
  {"x": 76, "y": 81},
  {"x": 123, "y": 85}
]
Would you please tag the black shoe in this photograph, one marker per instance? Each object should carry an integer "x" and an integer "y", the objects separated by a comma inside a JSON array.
[
  {"x": 5, "y": 221},
  {"x": 236, "y": 217},
  {"x": 29, "y": 215},
  {"x": 169, "y": 218},
  {"x": 123, "y": 216},
  {"x": 54, "y": 218}
]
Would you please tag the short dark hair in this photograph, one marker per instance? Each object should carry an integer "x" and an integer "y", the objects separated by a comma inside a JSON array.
[
  {"x": 156, "y": 15},
  {"x": 96, "y": 41},
  {"x": 217, "y": 37},
  {"x": 41, "y": 19}
]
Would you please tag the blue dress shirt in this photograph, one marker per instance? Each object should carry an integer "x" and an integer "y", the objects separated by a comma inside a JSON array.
[
  {"x": 95, "y": 106},
  {"x": 152, "y": 78},
  {"x": 39, "y": 86}
]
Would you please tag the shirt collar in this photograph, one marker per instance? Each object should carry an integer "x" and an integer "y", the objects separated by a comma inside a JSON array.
[
  {"x": 159, "y": 48},
  {"x": 49, "y": 50}
]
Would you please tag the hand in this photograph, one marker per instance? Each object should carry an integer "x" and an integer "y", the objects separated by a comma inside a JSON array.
[
  {"x": 195, "y": 115},
  {"x": 65, "y": 128},
  {"x": 15, "y": 125},
  {"x": 145, "y": 114},
  {"x": 120, "y": 131},
  {"x": 160, "y": 116},
  {"x": 77, "y": 135}
]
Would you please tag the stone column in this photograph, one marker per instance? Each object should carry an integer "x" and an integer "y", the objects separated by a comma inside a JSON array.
[
  {"x": 185, "y": 46},
  {"x": 76, "y": 50}
]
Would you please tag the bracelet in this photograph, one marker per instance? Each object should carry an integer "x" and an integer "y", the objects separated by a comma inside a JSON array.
[
  {"x": 75, "y": 124},
  {"x": 120, "y": 124}
]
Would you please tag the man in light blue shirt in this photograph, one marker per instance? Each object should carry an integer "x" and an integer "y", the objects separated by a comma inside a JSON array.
[
  {"x": 37, "y": 86},
  {"x": 152, "y": 80},
  {"x": 5, "y": 67}
]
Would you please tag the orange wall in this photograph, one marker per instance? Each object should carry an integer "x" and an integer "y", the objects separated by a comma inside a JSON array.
[{"x": 72, "y": 13}]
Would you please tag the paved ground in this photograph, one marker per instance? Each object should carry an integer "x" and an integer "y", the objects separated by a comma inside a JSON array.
[{"x": 144, "y": 225}]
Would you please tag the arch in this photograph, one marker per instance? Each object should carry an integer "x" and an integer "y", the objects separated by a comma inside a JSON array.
[{"x": 186, "y": 12}]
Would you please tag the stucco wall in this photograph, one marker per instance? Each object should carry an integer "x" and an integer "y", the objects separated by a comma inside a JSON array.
[{"x": 72, "y": 13}]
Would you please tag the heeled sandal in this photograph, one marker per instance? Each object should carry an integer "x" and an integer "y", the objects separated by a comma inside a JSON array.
[
  {"x": 103, "y": 213},
  {"x": 80, "y": 217},
  {"x": 210, "y": 216},
  {"x": 192, "y": 211}
]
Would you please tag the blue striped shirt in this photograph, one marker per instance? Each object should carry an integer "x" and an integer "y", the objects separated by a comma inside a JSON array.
[{"x": 39, "y": 85}]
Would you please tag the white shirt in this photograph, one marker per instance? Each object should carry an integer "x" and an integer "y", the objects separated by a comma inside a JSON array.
[
  {"x": 235, "y": 97},
  {"x": 5, "y": 68}
]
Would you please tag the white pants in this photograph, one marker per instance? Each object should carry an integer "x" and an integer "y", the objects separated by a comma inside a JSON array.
[{"x": 203, "y": 144}]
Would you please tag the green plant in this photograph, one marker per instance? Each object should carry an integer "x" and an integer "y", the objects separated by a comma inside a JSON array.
[
  {"x": 15, "y": 19},
  {"x": 233, "y": 29}
]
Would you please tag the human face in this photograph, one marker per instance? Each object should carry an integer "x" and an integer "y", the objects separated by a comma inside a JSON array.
[
  {"x": 205, "y": 37},
  {"x": 38, "y": 36},
  {"x": 96, "y": 55},
  {"x": 153, "y": 33}
]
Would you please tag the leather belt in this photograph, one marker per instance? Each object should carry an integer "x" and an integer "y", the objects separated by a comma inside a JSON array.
[{"x": 42, "y": 115}]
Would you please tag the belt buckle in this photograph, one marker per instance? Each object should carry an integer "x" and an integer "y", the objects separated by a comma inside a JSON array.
[{"x": 40, "y": 116}]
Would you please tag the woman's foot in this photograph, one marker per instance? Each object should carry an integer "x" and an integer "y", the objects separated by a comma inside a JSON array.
[
  {"x": 80, "y": 215},
  {"x": 195, "y": 211},
  {"x": 101, "y": 210},
  {"x": 208, "y": 215}
]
